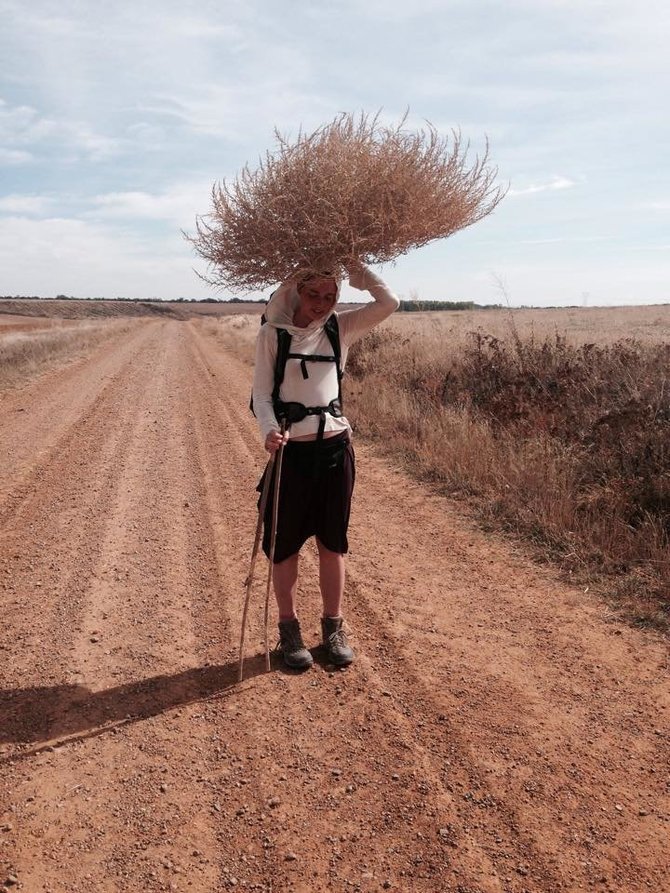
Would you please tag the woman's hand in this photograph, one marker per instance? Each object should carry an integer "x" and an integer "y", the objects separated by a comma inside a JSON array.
[
  {"x": 357, "y": 277},
  {"x": 274, "y": 440},
  {"x": 362, "y": 277}
]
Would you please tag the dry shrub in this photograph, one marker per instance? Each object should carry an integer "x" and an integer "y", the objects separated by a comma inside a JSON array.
[
  {"x": 23, "y": 354},
  {"x": 352, "y": 190},
  {"x": 611, "y": 403},
  {"x": 569, "y": 445},
  {"x": 236, "y": 334}
]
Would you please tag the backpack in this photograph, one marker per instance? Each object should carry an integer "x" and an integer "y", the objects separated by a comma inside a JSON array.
[{"x": 296, "y": 412}]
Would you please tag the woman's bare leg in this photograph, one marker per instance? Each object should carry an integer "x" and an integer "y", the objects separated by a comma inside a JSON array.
[
  {"x": 331, "y": 580},
  {"x": 285, "y": 579},
  {"x": 331, "y": 577}
]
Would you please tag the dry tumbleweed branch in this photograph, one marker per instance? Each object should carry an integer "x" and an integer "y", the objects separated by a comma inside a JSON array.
[{"x": 352, "y": 190}]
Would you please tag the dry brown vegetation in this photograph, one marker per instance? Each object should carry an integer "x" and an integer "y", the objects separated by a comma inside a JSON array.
[
  {"x": 600, "y": 325},
  {"x": 567, "y": 443},
  {"x": 352, "y": 190},
  {"x": 236, "y": 334},
  {"x": 549, "y": 422},
  {"x": 29, "y": 347}
]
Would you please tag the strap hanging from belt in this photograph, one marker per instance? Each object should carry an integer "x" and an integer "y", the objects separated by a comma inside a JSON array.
[{"x": 322, "y": 426}]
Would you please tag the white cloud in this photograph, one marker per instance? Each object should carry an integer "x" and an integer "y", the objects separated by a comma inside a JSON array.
[
  {"x": 180, "y": 204},
  {"x": 41, "y": 18},
  {"x": 194, "y": 27},
  {"x": 85, "y": 259},
  {"x": 20, "y": 123},
  {"x": 79, "y": 137},
  {"x": 555, "y": 183},
  {"x": 24, "y": 126},
  {"x": 541, "y": 241},
  {"x": 14, "y": 156},
  {"x": 37, "y": 205},
  {"x": 238, "y": 112}
]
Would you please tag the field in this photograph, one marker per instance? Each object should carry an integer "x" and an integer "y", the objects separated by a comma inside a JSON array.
[
  {"x": 502, "y": 731},
  {"x": 554, "y": 425},
  {"x": 87, "y": 309},
  {"x": 579, "y": 325}
]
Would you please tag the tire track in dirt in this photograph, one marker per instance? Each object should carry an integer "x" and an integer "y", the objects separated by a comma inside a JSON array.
[
  {"x": 121, "y": 602},
  {"x": 37, "y": 418},
  {"x": 168, "y": 580},
  {"x": 49, "y": 535},
  {"x": 534, "y": 689}
]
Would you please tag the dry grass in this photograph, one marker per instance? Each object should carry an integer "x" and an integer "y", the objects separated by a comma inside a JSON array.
[
  {"x": 352, "y": 190},
  {"x": 16, "y": 323},
  {"x": 600, "y": 325},
  {"x": 26, "y": 353},
  {"x": 236, "y": 334},
  {"x": 564, "y": 441},
  {"x": 553, "y": 426}
]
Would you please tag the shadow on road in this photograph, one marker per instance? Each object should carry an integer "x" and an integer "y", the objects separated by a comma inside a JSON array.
[{"x": 58, "y": 713}]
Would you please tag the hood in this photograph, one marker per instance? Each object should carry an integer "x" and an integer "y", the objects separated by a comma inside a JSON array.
[{"x": 283, "y": 304}]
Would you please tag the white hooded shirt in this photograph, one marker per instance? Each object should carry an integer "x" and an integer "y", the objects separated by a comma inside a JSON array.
[{"x": 321, "y": 386}]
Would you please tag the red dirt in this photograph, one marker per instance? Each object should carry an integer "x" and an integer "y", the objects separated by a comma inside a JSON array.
[{"x": 498, "y": 732}]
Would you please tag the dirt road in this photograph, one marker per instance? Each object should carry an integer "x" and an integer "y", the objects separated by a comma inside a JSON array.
[{"x": 499, "y": 732}]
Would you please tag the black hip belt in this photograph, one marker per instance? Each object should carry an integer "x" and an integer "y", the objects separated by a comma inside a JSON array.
[{"x": 293, "y": 412}]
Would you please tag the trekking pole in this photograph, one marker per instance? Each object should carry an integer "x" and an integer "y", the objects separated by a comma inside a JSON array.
[{"x": 273, "y": 541}]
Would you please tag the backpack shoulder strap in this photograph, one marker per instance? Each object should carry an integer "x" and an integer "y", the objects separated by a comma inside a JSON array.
[
  {"x": 283, "y": 350},
  {"x": 333, "y": 332},
  {"x": 332, "y": 328}
]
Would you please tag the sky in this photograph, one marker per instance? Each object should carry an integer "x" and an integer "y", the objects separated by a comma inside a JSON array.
[{"x": 116, "y": 118}]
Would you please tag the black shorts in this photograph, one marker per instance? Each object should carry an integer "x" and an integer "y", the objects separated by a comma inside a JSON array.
[{"x": 317, "y": 480}]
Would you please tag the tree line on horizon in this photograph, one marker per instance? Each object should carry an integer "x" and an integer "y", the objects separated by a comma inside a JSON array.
[{"x": 405, "y": 306}]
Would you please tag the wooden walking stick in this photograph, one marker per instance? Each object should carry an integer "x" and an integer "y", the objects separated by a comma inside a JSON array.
[
  {"x": 254, "y": 554},
  {"x": 273, "y": 542}
]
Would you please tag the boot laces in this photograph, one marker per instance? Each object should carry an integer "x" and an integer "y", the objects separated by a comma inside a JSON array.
[{"x": 338, "y": 638}]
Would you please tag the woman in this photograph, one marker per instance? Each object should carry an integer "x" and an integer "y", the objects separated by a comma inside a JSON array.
[{"x": 318, "y": 462}]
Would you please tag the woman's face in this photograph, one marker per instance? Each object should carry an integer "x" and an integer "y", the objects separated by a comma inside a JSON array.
[{"x": 317, "y": 298}]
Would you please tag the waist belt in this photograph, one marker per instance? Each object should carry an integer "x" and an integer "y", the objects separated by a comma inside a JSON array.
[{"x": 296, "y": 412}]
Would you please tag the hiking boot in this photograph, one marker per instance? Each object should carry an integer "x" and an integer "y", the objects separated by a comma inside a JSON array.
[
  {"x": 335, "y": 641},
  {"x": 292, "y": 647}
]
